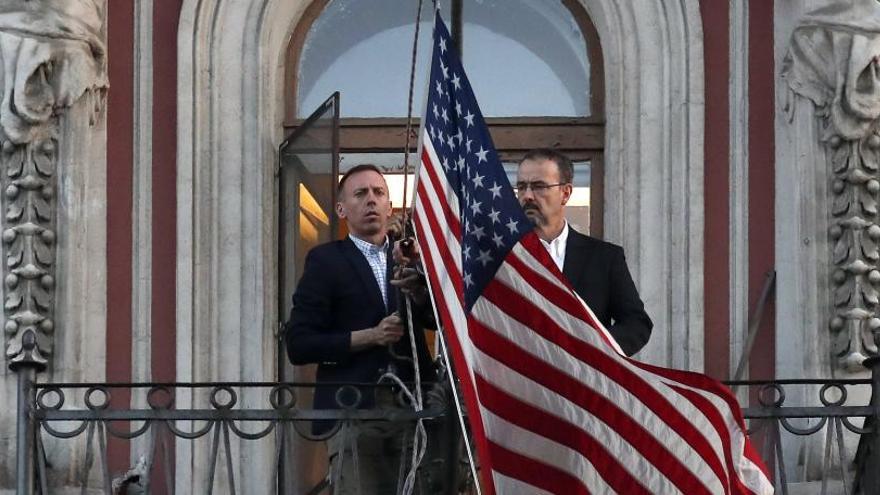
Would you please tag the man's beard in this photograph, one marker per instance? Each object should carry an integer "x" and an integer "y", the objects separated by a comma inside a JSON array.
[{"x": 534, "y": 214}]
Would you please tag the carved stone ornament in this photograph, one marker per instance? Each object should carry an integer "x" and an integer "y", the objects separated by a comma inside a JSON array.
[
  {"x": 53, "y": 55},
  {"x": 834, "y": 61}
]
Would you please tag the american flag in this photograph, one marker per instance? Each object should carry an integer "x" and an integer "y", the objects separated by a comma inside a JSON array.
[{"x": 553, "y": 404}]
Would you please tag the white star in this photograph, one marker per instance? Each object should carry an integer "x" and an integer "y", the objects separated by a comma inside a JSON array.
[
  {"x": 436, "y": 112},
  {"x": 478, "y": 232},
  {"x": 484, "y": 257},
  {"x": 456, "y": 81},
  {"x": 493, "y": 214},
  {"x": 451, "y": 142},
  {"x": 496, "y": 191},
  {"x": 440, "y": 137},
  {"x": 498, "y": 240},
  {"x": 439, "y": 89},
  {"x": 445, "y": 70},
  {"x": 475, "y": 207},
  {"x": 468, "y": 280},
  {"x": 442, "y": 45},
  {"x": 458, "y": 108},
  {"x": 446, "y": 164},
  {"x": 481, "y": 155},
  {"x": 477, "y": 180},
  {"x": 512, "y": 226},
  {"x": 444, "y": 116},
  {"x": 468, "y": 145},
  {"x": 460, "y": 162},
  {"x": 469, "y": 117},
  {"x": 459, "y": 136},
  {"x": 466, "y": 252}
]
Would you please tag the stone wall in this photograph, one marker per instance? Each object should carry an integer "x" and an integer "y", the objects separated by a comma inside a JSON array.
[{"x": 53, "y": 161}]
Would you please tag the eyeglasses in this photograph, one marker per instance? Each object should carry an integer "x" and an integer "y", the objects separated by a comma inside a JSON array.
[{"x": 536, "y": 187}]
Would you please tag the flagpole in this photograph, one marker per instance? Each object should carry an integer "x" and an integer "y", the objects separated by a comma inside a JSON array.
[{"x": 439, "y": 334}]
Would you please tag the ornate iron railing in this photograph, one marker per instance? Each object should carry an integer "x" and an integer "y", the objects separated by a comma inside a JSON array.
[
  {"x": 823, "y": 421},
  {"x": 272, "y": 410},
  {"x": 821, "y": 431}
]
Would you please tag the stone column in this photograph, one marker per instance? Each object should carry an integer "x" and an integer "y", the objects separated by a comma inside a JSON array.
[
  {"x": 828, "y": 156},
  {"x": 834, "y": 62},
  {"x": 52, "y": 167}
]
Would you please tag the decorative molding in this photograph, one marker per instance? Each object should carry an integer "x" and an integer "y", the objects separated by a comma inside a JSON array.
[
  {"x": 834, "y": 62},
  {"x": 739, "y": 180},
  {"x": 53, "y": 57},
  {"x": 142, "y": 211},
  {"x": 654, "y": 158}
]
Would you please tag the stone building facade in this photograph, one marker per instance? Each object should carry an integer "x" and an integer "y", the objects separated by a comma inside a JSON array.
[{"x": 139, "y": 155}]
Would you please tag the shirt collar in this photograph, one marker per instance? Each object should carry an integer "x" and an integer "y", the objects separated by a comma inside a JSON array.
[
  {"x": 562, "y": 238},
  {"x": 366, "y": 247}
]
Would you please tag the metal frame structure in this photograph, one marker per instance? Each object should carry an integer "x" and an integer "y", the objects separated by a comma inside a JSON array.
[
  {"x": 42, "y": 410},
  {"x": 42, "y": 406}
]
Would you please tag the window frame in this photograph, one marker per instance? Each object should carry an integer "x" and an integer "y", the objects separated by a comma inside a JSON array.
[{"x": 580, "y": 138}]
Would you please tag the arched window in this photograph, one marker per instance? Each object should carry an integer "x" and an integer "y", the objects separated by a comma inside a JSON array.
[{"x": 535, "y": 66}]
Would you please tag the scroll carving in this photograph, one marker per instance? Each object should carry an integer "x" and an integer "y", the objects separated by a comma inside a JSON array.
[
  {"x": 53, "y": 56},
  {"x": 834, "y": 61}
]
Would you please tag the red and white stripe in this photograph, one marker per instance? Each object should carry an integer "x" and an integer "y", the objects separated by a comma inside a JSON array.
[{"x": 555, "y": 406}]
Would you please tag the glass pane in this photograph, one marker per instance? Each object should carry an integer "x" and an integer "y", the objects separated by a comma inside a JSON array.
[
  {"x": 513, "y": 51},
  {"x": 307, "y": 183},
  {"x": 307, "y": 190}
]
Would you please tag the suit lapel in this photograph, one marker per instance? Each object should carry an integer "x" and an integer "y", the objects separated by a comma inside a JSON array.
[
  {"x": 575, "y": 257},
  {"x": 357, "y": 260}
]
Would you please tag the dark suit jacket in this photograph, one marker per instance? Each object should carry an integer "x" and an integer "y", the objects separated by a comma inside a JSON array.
[
  {"x": 597, "y": 270},
  {"x": 338, "y": 294}
]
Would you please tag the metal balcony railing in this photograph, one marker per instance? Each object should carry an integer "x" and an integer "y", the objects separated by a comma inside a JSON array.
[
  {"x": 224, "y": 413},
  {"x": 821, "y": 433},
  {"x": 832, "y": 440}
]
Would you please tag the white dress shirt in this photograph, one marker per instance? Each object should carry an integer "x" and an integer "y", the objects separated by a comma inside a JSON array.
[
  {"x": 378, "y": 259},
  {"x": 556, "y": 247}
]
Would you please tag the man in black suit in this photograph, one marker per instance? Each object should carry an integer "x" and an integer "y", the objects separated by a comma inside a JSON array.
[
  {"x": 344, "y": 319},
  {"x": 596, "y": 269}
]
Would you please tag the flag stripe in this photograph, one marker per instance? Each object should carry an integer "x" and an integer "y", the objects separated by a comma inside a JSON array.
[
  {"x": 708, "y": 408},
  {"x": 537, "y": 394},
  {"x": 526, "y": 277},
  {"x": 449, "y": 304},
  {"x": 523, "y": 339},
  {"x": 554, "y": 285},
  {"x": 540, "y": 450},
  {"x": 550, "y": 426},
  {"x": 756, "y": 467},
  {"x": 507, "y": 484},
  {"x": 603, "y": 408},
  {"x": 534, "y": 473},
  {"x": 534, "y": 317},
  {"x": 524, "y": 311},
  {"x": 439, "y": 189},
  {"x": 567, "y": 323}
]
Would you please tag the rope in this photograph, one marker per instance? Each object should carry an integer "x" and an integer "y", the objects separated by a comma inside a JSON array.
[
  {"x": 420, "y": 436},
  {"x": 412, "y": 78}
]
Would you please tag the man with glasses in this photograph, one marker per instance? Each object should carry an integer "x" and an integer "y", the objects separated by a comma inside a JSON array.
[{"x": 596, "y": 269}]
